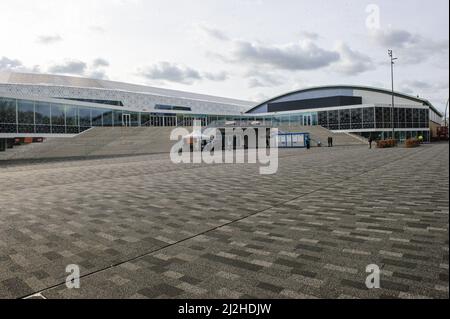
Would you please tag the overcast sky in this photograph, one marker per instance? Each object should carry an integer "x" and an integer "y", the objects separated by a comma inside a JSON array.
[{"x": 246, "y": 49}]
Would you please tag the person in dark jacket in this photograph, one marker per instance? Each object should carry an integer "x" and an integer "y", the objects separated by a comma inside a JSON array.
[
  {"x": 370, "y": 142},
  {"x": 330, "y": 141}
]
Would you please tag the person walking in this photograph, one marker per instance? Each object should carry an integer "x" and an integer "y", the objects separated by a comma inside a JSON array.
[
  {"x": 330, "y": 141},
  {"x": 370, "y": 142}
]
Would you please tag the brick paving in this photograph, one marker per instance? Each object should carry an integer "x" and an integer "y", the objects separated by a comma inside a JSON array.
[{"x": 142, "y": 227}]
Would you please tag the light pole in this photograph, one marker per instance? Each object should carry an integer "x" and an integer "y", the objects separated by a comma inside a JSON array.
[
  {"x": 445, "y": 114},
  {"x": 391, "y": 55}
]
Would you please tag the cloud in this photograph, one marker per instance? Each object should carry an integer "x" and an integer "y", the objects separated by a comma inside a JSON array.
[
  {"x": 214, "y": 33},
  {"x": 69, "y": 67},
  {"x": 94, "y": 69},
  {"x": 49, "y": 39},
  {"x": 220, "y": 76},
  {"x": 166, "y": 71},
  {"x": 14, "y": 65},
  {"x": 98, "y": 74},
  {"x": 411, "y": 48},
  {"x": 259, "y": 97},
  {"x": 7, "y": 64},
  {"x": 100, "y": 62},
  {"x": 304, "y": 55},
  {"x": 420, "y": 87},
  {"x": 352, "y": 62},
  {"x": 171, "y": 72},
  {"x": 262, "y": 79}
]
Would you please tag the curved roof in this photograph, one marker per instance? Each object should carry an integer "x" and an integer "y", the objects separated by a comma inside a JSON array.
[
  {"x": 352, "y": 87},
  {"x": 72, "y": 81}
]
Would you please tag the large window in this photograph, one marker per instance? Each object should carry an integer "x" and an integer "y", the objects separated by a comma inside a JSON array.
[
  {"x": 108, "y": 118},
  {"x": 8, "y": 116},
  {"x": 25, "y": 116},
  {"x": 401, "y": 117},
  {"x": 58, "y": 119},
  {"x": 117, "y": 117},
  {"x": 356, "y": 118},
  {"x": 71, "y": 119},
  {"x": 416, "y": 115},
  {"x": 344, "y": 118},
  {"x": 409, "y": 118},
  {"x": 97, "y": 117},
  {"x": 145, "y": 119},
  {"x": 333, "y": 120},
  {"x": 387, "y": 117},
  {"x": 323, "y": 119},
  {"x": 369, "y": 117},
  {"x": 85, "y": 117},
  {"x": 42, "y": 117},
  {"x": 379, "y": 117},
  {"x": 25, "y": 112}
]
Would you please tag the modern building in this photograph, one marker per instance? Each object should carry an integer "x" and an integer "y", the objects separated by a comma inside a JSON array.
[
  {"x": 39, "y": 105},
  {"x": 48, "y": 105},
  {"x": 366, "y": 111}
]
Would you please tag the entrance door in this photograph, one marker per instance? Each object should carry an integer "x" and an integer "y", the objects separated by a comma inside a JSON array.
[
  {"x": 307, "y": 120},
  {"x": 126, "y": 120}
]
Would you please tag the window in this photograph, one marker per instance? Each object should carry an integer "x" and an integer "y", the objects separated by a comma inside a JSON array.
[
  {"x": 379, "y": 117},
  {"x": 71, "y": 116},
  {"x": 107, "y": 118},
  {"x": 369, "y": 117},
  {"x": 117, "y": 118},
  {"x": 58, "y": 114},
  {"x": 25, "y": 116},
  {"x": 344, "y": 118},
  {"x": 107, "y": 102},
  {"x": 356, "y": 118},
  {"x": 145, "y": 119},
  {"x": 423, "y": 116},
  {"x": 58, "y": 118},
  {"x": 42, "y": 113},
  {"x": 85, "y": 117},
  {"x": 333, "y": 120},
  {"x": 42, "y": 117},
  {"x": 25, "y": 111},
  {"x": 408, "y": 121},
  {"x": 323, "y": 119},
  {"x": 387, "y": 117},
  {"x": 401, "y": 118},
  {"x": 8, "y": 116},
  {"x": 172, "y": 108},
  {"x": 97, "y": 117},
  {"x": 416, "y": 115}
]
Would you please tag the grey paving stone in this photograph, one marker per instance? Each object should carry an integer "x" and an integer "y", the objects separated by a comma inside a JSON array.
[{"x": 143, "y": 227}]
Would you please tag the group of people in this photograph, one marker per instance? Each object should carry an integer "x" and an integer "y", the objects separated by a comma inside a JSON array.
[{"x": 370, "y": 140}]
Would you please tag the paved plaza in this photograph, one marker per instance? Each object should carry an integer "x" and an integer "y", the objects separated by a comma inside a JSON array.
[{"x": 143, "y": 227}]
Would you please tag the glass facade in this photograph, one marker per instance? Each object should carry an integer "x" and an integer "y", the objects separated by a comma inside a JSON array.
[
  {"x": 373, "y": 118},
  {"x": 27, "y": 116}
]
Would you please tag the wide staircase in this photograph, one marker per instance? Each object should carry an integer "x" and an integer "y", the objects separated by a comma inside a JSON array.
[
  {"x": 117, "y": 141},
  {"x": 319, "y": 133},
  {"x": 99, "y": 141}
]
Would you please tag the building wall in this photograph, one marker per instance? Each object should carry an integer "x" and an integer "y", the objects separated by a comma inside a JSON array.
[
  {"x": 433, "y": 128},
  {"x": 383, "y": 98},
  {"x": 368, "y": 97},
  {"x": 131, "y": 100}
]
